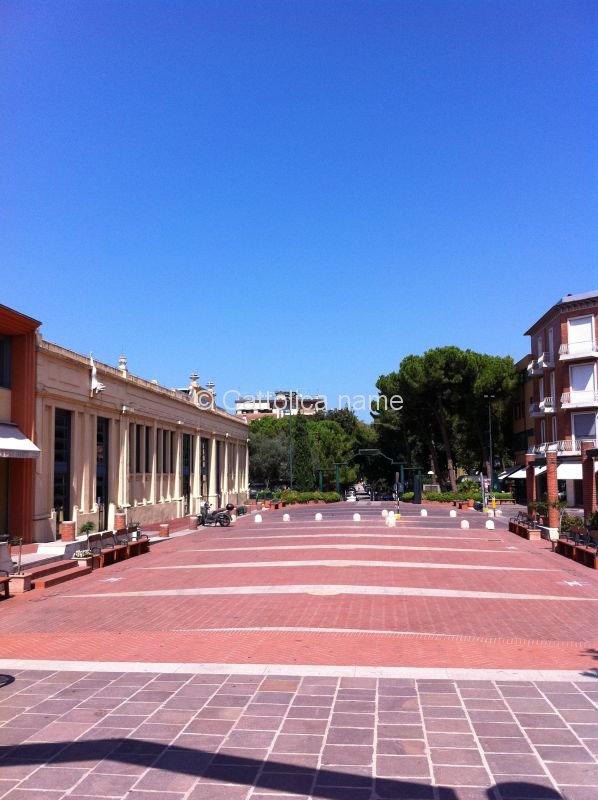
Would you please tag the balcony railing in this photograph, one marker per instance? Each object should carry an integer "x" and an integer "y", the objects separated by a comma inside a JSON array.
[
  {"x": 585, "y": 399},
  {"x": 586, "y": 349},
  {"x": 535, "y": 367},
  {"x": 545, "y": 406},
  {"x": 547, "y": 360},
  {"x": 563, "y": 447}
]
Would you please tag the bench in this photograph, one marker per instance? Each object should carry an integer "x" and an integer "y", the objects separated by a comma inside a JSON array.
[
  {"x": 109, "y": 549},
  {"x": 502, "y": 500},
  {"x": 581, "y": 546},
  {"x": 4, "y": 581},
  {"x": 137, "y": 542}
]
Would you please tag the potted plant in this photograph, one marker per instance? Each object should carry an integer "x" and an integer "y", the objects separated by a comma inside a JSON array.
[
  {"x": 19, "y": 581},
  {"x": 84, "y": 558},
  {"x": 87, "y": 527}
]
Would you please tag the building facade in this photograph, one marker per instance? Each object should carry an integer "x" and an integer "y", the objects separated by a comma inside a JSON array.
[
  {"x": 113, "y": 441},
  {"x": 523, "y": 422},
  {"x": 564, "y": 373},
  {"x": 278, "y": 404},
  {"x": 17, "y": 423}
]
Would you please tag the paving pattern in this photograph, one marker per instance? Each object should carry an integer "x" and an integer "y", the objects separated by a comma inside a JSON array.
[{"x": 305, "y": 660}]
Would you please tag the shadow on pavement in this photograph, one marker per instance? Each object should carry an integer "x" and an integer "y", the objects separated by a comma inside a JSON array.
[
  {"x": 593, "y": 653},
  {"x": 273, "y": 776}
]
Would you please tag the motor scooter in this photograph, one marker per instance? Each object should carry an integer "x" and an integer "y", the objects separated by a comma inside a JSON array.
[{"x": 221, "y": 516}]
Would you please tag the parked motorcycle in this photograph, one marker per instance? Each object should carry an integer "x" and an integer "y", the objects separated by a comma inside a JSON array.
[{"x": 221, "y": 516}]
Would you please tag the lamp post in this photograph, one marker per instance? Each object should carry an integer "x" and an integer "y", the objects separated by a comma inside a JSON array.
[{"x": 490, "y": 398}]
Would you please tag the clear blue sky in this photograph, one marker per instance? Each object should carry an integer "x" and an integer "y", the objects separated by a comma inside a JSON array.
[{"x": 294, "y": 194}]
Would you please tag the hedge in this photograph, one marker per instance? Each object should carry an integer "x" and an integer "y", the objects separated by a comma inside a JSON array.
[{"x": 289, "y": 496}]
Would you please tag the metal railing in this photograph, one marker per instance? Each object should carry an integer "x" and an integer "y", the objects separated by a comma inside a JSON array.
[
  {"x": 585, "y": 348},
  {"x": 583, "y": 398},
  {"x": 562, "y": 447}
]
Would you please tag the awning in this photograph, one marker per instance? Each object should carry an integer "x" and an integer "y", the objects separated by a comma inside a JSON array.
[
  {"x": 521, "y": 473},
  {"x": 571, "y": 472},
  {"x": 14, "y": 444}
]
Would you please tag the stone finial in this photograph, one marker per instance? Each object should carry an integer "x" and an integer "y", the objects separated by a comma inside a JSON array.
[{"x": 122, "y": 366}]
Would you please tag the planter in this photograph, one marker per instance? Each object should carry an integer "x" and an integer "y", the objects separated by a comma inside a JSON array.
[
  {"x": 470, "y": 503},
  {"x": 20, "y": 582},
  {"x": 85, "y": 562}
]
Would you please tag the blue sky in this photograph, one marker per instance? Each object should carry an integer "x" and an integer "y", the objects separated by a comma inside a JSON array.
[{"x": 294, "y": 194}]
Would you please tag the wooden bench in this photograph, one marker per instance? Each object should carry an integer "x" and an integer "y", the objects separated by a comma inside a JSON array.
[
  {"x": 502, "y": 500},
  {"x": 4, "y": 582},
  {"x": 581, "y": 547},
  {"x": 107, "y": 548},
  {"x": 137, "y": 542}
]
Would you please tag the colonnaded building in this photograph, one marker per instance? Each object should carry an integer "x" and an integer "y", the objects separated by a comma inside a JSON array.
[{"x": 81, "y": 440}]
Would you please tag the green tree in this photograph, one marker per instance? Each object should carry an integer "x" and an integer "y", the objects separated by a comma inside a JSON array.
[{"x": 303, "y": 467}]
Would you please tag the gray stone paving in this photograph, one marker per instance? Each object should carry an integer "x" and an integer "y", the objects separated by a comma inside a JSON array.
[{"x": 143, "y": 736}]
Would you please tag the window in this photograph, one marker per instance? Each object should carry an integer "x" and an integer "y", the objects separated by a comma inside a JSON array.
[
  {"x": 5, "y": 361},
  {"x": 551, "y": 344},
  {"x": 62, "y": 464},
  {"x": 583, "y": 381},
  {"x": 137, "y": 448},
  {"x": 148, "y": 460},
  {"x": 581, "y": 334},
  {"x": 584, "y": 426}
]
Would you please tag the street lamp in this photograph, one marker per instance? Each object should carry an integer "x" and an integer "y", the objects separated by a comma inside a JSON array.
[{"x": 490, "y": 398}]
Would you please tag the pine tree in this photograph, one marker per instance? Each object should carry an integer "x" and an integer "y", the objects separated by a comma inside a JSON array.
[{"x": 303, "y": 471}]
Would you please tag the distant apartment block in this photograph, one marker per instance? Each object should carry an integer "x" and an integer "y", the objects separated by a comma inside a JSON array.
[
  {"x": 563, "y": 369},
  {"x": 278, "y": 404}
]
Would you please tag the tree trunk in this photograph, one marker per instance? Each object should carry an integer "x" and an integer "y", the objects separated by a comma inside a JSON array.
[
  {"x": 447, "y": 446},
  {"x": 433, "y": 455}
]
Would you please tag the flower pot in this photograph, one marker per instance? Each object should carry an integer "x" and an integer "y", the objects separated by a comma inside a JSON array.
[
  {"x": 470, "y": 503},
  {"x": 20, "y": 582},
  {"x": 85, "y": 562}
]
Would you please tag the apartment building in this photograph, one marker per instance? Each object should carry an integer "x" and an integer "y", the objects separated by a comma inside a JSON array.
[{"x": 564, "y": 399}]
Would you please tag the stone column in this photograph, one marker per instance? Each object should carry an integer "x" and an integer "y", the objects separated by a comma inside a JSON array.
[
  {"x": 588, "y": 479},
  {"x": 154, "y": 463},
  {"x": 178, "y": 464},
  {"x": 123, "y": 463},
  {"x": 196, "y": 477},
  {"x": 224, "y": 482},
  {"x": 212, "y": 483},
  {"x": 530, "y": 484},
  {"x": 552, "y": 489}
]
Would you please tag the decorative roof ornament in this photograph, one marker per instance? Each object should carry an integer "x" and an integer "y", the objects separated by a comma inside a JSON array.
[{"x": 96, "y": 386}]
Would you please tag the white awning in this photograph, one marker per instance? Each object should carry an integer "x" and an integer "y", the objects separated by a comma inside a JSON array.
[
  {"x": 569, "y": 472},
  {"x": 14, "y": 444},
  {"x": 521, "y": 473}
]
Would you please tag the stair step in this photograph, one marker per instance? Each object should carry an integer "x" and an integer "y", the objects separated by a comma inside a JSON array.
[
  {"x": 50, "y": 569},
  {"x": 62, "y": 577}
]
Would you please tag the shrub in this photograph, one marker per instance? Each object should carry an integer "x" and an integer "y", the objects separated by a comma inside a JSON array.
[
  {"x": 87, "y": 527},
  {"x": 571, "y": 522},
  {"x": 407, "y": 497},
  {"x": 592, "y": 520}
]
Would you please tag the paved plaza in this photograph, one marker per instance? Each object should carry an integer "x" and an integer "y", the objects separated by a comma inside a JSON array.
[{"x": 331, "y": 659}]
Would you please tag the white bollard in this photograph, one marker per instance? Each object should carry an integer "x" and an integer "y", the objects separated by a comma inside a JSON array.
[
  {"x": 464, "y": 524},
  {"x": 452, "y": 513},
  {"x": 286, "y": 518},
  {"x": 490, "y": 524},
  {"x": 391, "y": 521},
  {"x": 423, "y": 513},
  {"x": 498, "y": 512},
  {"x": 257, "y": 519},
  {"x": 233, "y": 518},
  {"x": 384, "y": 513},
  {"x": 318, "y": 517},
  {"x": 356, "y": 517}
]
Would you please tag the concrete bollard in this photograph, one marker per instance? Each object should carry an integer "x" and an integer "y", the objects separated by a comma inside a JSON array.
[
  {"x": 164, "y": 530},
  {"x": 193, "y": 521},
  {"x": 318, "y": 517},
  {"x": 356, "y": 517},
  {"x": 384, "y": 513},
  {"x": 391, "y": 521},
  {"x": 257, "y": 519},
  {"x": 423, "y": 513},
  {"x": 233, "y": 518},
  {"x": 452, "y": 513},
  {"x": 490, "y": 524},
  {"x": 286, "y": 517},
  {"x": 464, "y": 524},
  {"x": 498, "y": 512}
]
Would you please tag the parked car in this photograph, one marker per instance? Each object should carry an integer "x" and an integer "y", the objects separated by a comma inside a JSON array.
[{"x": 350, "y": 496}]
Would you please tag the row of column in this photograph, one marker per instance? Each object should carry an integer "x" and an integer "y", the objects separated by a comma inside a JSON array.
[{"x": 589, "y": 455}]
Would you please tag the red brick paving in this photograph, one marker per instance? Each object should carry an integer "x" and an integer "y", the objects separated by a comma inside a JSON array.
[{"x": 419, "y": 630}]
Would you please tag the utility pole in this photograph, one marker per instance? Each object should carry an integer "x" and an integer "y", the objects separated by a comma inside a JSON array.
[{"x": 490, "y": 398}]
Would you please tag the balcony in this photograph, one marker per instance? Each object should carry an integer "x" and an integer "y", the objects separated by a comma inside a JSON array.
[
  {"x": 586, "y": 399},
  {"x": 564, "y": 447},
  {"x": 546, "y": 406},
  {"x": 534, "y": 368},
  {"x": 573, "y": 350},
  {"x": 547, "y": 360}
]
